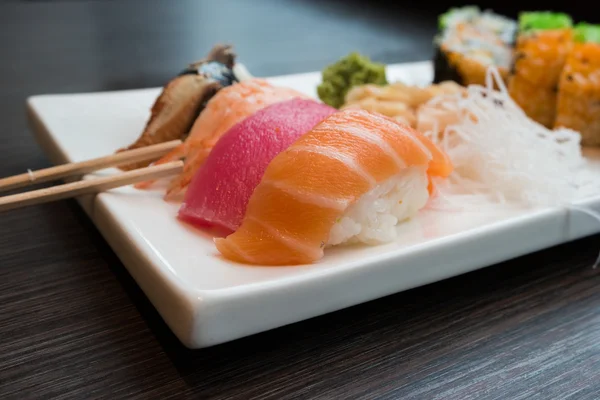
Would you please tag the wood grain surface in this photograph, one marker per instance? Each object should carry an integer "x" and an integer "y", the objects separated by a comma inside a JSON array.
[{"x": 74, "y": 325}]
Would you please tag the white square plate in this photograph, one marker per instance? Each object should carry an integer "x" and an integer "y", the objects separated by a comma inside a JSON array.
[{"x": 206, "y": 300}]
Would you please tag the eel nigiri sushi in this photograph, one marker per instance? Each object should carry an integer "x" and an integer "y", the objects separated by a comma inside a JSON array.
[
  {"x": 220, "y": 190},
  {"x": 228, "y": 107},
  {"x": 183, "y": 98},
  {"x": 544, "y": 41},
  {"x": 469, "y": 41},
  {"x": 578, "y": 105},
  {"x": 352, "y": 178}
]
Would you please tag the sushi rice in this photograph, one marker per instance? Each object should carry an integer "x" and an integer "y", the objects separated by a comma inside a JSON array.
[
  {"x": 373, "y": 218},
  {"x": 503, "y": 27}
]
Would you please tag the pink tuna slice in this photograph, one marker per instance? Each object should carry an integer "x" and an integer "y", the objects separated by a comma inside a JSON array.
[{"x": 219, "y": 192}]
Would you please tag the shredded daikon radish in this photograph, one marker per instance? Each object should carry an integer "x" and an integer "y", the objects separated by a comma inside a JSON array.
[{"x": 500, "y": 155}]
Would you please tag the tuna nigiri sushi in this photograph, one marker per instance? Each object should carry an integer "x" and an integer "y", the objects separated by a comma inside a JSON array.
[
  {"x": 219, "y": 192},
  {"x": 350, "y": 179},
  {"x": 228, "y": 107}
]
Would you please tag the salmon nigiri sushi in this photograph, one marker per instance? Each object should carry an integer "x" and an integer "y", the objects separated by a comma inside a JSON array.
[
  {"x": 228, "y": 107},
  {"x": 352, "y": 178}
]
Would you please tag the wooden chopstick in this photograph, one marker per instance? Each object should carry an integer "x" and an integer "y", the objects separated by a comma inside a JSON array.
[
  {"x": 79, "y": 168},
  {"x": 89, "y": 186}
]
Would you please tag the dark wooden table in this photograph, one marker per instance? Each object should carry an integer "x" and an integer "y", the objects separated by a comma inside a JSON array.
[{"x": 73, "y": 323}]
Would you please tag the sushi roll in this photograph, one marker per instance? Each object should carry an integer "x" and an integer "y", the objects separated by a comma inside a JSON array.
[
  {"x": 469, "y": 42},
  {"x": 485, "y": 21},
  {"x": 578, "y": 105},
  {"x": 351, "y": 179},
  {"x": 543, "y": 43},
  {"x": 458, "y": 15}
]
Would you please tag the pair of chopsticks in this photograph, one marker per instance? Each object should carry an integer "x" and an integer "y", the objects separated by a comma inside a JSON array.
[{"x": 88, "y": 186}]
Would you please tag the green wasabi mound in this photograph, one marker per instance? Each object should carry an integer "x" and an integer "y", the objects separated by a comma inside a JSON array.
[
  {"x": 352, "y": 70},
  {"x": 457, "y": 14},
  {"x": 544, "y": 20},
  {"x": 587, "y": 33}
]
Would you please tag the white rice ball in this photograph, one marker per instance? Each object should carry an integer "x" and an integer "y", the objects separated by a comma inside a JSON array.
[{"x": 372, "y": 219}]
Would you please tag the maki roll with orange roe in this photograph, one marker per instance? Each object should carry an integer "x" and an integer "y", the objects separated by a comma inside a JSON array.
[
  {"x": 543, "y": 43},
  {"x": 469, "y": 41},
  {"x": 579, "y": 89}
]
